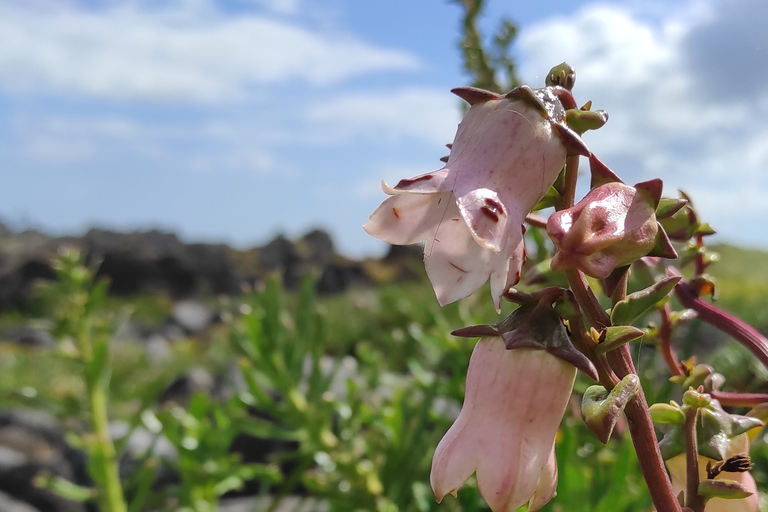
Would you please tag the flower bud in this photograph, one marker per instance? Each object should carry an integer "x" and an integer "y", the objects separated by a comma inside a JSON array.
[{"x": 614, "y": 225}]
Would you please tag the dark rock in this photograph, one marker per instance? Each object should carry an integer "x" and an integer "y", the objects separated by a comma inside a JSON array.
[
  {"x": 27, "y": 336},
  {"x": 181, "y": 390},
  {"x": 32, "y": 442},
  {"x": 338, "y": 277},
  {"x": 9, "y": 504},
  {"x": 316, "y": 247}
]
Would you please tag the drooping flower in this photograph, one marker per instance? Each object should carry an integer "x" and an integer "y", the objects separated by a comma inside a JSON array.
[
  {"x": 614, "y": 225},
  {"x": 505, "y": 433},
  {"x": 738, "y": 445},
  {"x": 507, "y": 152}
]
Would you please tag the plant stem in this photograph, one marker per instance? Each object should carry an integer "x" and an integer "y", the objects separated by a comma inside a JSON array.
[
  {"x": 568, "y": 194},
  {"x": 739, "y": 399},
  {"x": 729, "y": 324},
  {"x": 644, "y": 438},
  {"x": 692, "y": 498},
  {"x": 636, "y": 410},
  {"x": 105, "y": 467},
  {"x": 665, "y": 334}
]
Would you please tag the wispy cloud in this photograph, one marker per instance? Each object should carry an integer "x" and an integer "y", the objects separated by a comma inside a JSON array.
[{"x": 184, "y": 51}]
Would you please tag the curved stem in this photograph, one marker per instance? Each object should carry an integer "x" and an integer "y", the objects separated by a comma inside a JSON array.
[
  {"x": 665, "y": 334},
  {"x": 729, "y": 324},
  {"x": 739, "y": 399}
]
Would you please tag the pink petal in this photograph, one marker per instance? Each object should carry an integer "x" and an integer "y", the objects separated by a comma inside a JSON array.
[
  {"x": 513, "y": 405},
  {"x": 547, "y": 486},
  {"x": 408, "y": 218},
  {"x": 455, "y": 264},
  {"x": 429, "y": 183},
  {"x": 504, "y": 153}
]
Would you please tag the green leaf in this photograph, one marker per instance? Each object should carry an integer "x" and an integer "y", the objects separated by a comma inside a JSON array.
[
  {"x": 601, "y": 409},
  {"x": 637, "y": 304},
  {"x": 667, "y": 414},
  {"x": 616, "y": 336},
  {"x": 722, "y": 488}
]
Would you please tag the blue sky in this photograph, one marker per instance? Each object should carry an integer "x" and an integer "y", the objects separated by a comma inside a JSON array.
[{"x": 235, "y": 120}]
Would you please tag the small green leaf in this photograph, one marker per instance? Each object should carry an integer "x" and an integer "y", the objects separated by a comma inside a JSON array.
[
  {"x": 727, "y": 489},
  {"x": 616, "y": 336},
  {"x": 63, "y": 487},
  {"x": 667, "y": 414},
  {"x": 636, "y": 304}
]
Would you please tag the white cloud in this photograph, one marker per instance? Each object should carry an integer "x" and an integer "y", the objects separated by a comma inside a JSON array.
[
  {"x": 639, "y": 68},
  {"x": 189, "y": 51},
  {"x": 428, "y": 114}
]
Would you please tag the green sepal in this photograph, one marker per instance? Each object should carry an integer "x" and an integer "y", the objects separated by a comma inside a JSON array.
[
  {"x": 601, "y": 409},
  {"x": 615, "y": 336},
  {"x": 581, "y": 121},
  {"x": 722, "y": 488},
  {"x": 636, "y": 304},
  {"x": 697, "y": 376},
  {"x": 667, "y": 414},
  {"x": 693, "y": 398},
  {"x": 704, "y": 229},
  {"x": 662, "y": 247},
  {"x": 669, "y": 206},
  {"x": 549, "y": 200},
  {"x": 563, "y": 75}
]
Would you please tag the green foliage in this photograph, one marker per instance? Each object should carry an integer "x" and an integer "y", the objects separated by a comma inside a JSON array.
[{"x": 358, "y": 389}]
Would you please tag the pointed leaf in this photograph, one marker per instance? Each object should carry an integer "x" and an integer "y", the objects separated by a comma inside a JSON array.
[
  {"x": 669, "y": 206},
  {"x": 636, "y": 304},
  {"x": 615, "y": 336},
  {"x": 722, "y": 488}
]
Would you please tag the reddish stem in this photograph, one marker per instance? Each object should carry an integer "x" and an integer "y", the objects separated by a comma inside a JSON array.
[
  {"x": 636, "y": 410},
  {"x": 665, "y": 334},
  {"x": 739, "y": 399},
  {"x": 692, "y": 498},
  {"x": 729, "y": 324}
]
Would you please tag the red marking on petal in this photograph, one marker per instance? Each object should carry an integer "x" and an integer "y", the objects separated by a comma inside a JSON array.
[
  {"x": 408, "y": 183},
  {"x": 397, "y": 214},
  {"x": 489, "y": 213},
  {"x": 455, "y": 220},
  {"x": 524, "y": 228},
  {"x": 494, "y": 206},
  {"x": 517, "y": 277},
  {"x": 457, "y": 267}
]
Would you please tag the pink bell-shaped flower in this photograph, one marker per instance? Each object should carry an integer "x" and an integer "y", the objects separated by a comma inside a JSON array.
[
  {"x": 507, "y": 153},
  {"x": 737, "y": 445},
  {"x": 505, "y": 433},
  {"x": 614, "y": 225}
]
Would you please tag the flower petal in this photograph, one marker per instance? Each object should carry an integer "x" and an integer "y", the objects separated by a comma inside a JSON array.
[
  {"x": 455, "y": 264},
  {"x": 429, "y": 183},
  {"x": 496, "y": 177},
  {"x": 513, "y": 405},
  {"x": 408, "y": 218},
  {"x": 547, "y": 486}
]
